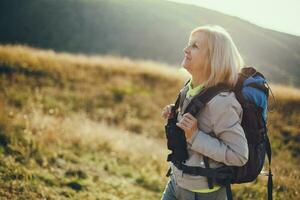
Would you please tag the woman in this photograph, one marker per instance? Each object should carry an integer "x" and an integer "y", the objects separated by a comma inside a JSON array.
[{"x": 211, "y": 57}]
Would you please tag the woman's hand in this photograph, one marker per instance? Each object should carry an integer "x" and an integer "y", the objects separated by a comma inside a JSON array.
[
  {"x": 166, "y": 112},
  {"x": 189, "y": 124}
]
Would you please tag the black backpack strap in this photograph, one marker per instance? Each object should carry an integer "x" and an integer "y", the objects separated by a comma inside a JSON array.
[
  {"x": 187, "y": 81},
  {"x": 173, "y": 113},
  {"x": 270, "y": 180},
  {"x": 209, "y": 179},
  {"x": 223, "y": 173},
  {"x": 169, "y": 172},
  {"x": 228, "y": 190},
  {"x": 199, "y": 101},
  {"x": 177, "y": 102},
  {"x": 183, "y": 93},
  {"x": 173, "y": 110}
]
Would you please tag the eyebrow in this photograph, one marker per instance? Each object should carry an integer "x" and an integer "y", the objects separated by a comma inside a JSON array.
[{"x": 194, "y": 42}]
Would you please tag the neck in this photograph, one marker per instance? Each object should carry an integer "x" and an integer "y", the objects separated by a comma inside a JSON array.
[{"x": 196, "y": 81}]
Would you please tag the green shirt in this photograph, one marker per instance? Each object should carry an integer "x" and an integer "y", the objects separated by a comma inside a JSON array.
[{"x": 194, "y": 91}]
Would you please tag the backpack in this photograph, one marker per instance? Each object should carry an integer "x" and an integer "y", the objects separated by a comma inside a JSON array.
[{"x": 252, "y": 92}]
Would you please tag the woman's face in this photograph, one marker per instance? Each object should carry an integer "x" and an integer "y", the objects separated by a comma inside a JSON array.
[{"x": 195, "y": 54}]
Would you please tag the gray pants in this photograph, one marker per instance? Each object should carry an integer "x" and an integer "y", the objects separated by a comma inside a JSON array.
[{"x": 175, "y": 192}]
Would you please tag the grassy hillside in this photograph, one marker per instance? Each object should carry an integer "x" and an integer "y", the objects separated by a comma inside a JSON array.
[
  {"x": 148, "y": 29},
  {"x": 79, "y": 127}
]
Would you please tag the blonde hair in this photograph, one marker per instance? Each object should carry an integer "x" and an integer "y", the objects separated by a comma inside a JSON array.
[{"x": 224, "y": 60}]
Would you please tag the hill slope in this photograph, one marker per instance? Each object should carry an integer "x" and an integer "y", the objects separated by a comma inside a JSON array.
[
  {"x": 145, "y": 29},
  {"x": 78, "y": 127}
]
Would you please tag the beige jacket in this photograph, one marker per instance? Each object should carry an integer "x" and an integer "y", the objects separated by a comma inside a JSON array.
[{"x": 220, "y": 137}]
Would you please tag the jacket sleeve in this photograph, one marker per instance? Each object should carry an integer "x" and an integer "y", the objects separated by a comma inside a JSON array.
[{"x": 230, "y": 144}]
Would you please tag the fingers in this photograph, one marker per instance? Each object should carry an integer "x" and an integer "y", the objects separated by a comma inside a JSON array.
[
  {"x": 189, "y": 116},
  {"x": 163, "y": 113},
  {"x": 188, "y": 121},
  {"x": 181, "y": 125},
  {"x": 189, "y": 124},
  {"x": 166, "y": 112},
  {"x": 184, "y": 123},
  {"x": 169, "y": 109}
]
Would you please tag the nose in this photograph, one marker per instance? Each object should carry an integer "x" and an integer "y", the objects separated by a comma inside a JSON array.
[{"x": 185, "y": 49}]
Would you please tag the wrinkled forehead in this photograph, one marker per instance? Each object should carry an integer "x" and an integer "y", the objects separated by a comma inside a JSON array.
[{"x": 198, "y": 37}]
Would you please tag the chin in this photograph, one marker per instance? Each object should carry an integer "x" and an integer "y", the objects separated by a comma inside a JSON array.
[{"x": 185, "y": 65}]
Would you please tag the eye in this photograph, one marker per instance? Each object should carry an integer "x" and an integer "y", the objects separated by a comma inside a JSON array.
[{"x": 194, "y": 46}]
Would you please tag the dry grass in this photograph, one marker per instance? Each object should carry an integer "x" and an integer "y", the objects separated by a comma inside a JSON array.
[
  {"x": 65, "y": 64},
  {"x": 285, "y": 93},
  {"x": 89, "y": 127}
]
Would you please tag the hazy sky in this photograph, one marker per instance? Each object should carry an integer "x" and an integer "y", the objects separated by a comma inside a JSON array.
[{"x": 281, "y": 15}]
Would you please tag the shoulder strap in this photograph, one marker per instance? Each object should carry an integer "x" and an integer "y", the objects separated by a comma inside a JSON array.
[
  {"x": 187, "y": 81},
  {"x": 199, "y": 101},
  {"x": 177, "y": 102}
]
